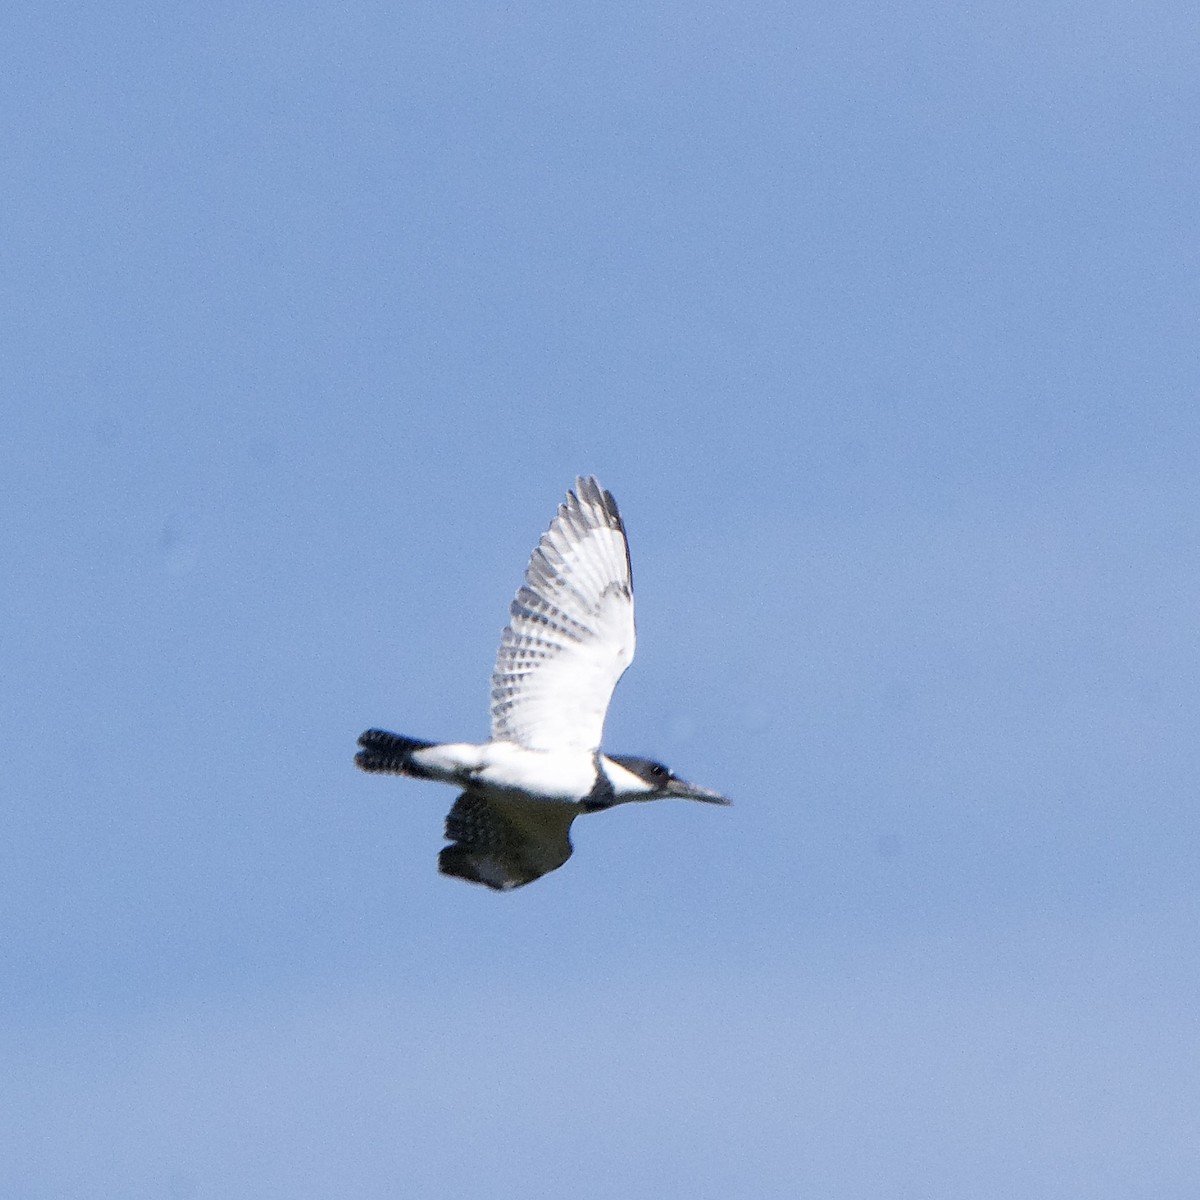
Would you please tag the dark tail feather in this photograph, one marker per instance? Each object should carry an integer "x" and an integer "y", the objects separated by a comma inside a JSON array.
[{"x": 388, "y": 753}]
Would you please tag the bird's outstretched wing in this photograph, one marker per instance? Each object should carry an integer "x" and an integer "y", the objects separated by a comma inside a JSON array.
[
  {"x": 571, "y": 635},
  {"x": 505, "y": 843}
]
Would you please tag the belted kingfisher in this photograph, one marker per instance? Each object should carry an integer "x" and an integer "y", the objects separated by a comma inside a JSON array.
[{"x": 569, "y": 639}]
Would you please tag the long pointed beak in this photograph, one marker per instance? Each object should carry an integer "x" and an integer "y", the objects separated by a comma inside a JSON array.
[{"x": 690, "y": 791}]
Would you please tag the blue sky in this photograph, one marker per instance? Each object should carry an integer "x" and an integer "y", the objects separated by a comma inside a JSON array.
[{"x": 881, "y": 323}]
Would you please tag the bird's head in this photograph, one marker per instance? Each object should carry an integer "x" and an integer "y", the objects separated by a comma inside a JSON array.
[{"x": 661, "y": 781}]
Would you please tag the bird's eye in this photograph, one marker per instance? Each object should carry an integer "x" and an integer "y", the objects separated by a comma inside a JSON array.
[{"x": 659, "y": 772}]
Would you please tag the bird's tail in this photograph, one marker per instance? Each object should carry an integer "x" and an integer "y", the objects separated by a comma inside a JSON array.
[{"x": 389, "y": 753}]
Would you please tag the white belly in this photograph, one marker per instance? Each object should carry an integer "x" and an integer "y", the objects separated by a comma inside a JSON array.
[{"x": 506, "y": 767}]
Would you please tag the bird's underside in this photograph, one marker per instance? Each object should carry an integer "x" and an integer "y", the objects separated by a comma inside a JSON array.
[
  {"x": 501, "y": 840},
  {"x": 569, "y": 639}
]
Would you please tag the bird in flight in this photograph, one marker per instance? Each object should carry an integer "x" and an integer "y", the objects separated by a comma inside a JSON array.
[{"x": 569, "y": 639}]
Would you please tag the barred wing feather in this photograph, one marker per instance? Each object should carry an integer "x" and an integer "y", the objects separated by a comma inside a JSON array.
[
  {"x": 571, "y": 633},
  {"x": 505, "y": 843}
]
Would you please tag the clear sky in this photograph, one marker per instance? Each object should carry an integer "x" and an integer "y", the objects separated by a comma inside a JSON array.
[{"x": 881, "y": 322}]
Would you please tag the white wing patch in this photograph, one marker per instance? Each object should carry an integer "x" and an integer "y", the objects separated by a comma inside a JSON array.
[{"x": 571, "y": 635}]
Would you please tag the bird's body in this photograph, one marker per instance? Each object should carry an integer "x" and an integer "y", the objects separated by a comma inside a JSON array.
[{"x": 568, "y": 642}]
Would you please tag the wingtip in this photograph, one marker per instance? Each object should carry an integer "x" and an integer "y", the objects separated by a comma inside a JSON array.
[{"x": 590, "y": 492}]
